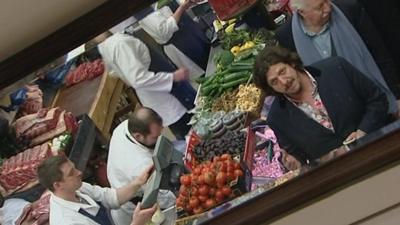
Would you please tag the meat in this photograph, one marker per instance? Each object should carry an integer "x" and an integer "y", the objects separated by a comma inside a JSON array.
[
  {"x": 33, "y": 101},
  {"x": 85, "y": 71},
  {"x": 44, "y": 125},
  {"x": 33, "y": 125},
  {"x": 20, "y": 171}
]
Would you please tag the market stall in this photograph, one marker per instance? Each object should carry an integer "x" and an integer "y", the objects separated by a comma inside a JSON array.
[{"x": 235, "y": 170}]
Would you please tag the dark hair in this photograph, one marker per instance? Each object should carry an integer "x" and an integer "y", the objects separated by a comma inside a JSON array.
[
  {"x": 49, "y": 171},
  {"x": 140, "y": 120},
  {"x": 268, "y": 57}
]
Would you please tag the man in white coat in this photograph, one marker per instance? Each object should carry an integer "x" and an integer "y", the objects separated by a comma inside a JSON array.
[
  {"x": 74, "y": 202},
  {"x": 130, "y": 59},
  {"x": 130, "y": 153}
]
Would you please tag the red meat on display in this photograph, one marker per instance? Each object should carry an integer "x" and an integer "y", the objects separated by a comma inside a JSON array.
[
  {"x": 19, "y": 172},
  {"x": 33, "y": 101},
  {"x": 44, "y": 125},
  {"x": 85, "y": 71}
]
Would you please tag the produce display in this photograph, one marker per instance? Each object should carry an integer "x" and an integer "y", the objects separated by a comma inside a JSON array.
[
  {"x": 232, "y": 143},
  {"x": 209, "y": 184},
  {"x": 246, "y": 98}
]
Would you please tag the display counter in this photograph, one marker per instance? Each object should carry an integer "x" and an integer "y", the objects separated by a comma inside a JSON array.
[{"x": 376, "y": 153}]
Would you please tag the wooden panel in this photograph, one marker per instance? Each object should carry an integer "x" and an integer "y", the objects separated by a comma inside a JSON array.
[
  {"x": 99, "y": 107},
  {"x": 103, "y": 109},
  {"x": 78, "y": 98}
]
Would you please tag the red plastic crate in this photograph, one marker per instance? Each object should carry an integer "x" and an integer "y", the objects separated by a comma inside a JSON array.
[{"x": 227, "y": 9}]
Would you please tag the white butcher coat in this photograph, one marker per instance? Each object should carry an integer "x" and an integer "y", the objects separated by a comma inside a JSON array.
[
  {"x": 130, "y": 59},
  {"x": 126, "y": 161}
]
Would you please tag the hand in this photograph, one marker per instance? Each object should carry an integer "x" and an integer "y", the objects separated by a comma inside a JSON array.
[
  {"x": 142, "y": 179},
  {"x": 333, "y": 154},
  {"x": 181, "y": 74},
  {"x": 355, "y": 135},
  {"x": 290, "y": 162},
  {"x": 189, "y": 3},
  {"x": 142, "y": 216}
]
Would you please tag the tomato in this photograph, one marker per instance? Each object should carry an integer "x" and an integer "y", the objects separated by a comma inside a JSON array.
[
  {"x": 220, "y": 185},
  {"x": 188, "y": 208},
  {"x": 230, "y": 167},
  {"x": 194, "y": 191},
  {"x": 236, "y": 165},
  {"x": 210, "y": 203},
  {"x": 230, "y": 176},
  {"x": 216, "y": 159},
  {"x": 194, "y": 179},
  {"x": 209, "y": 178},
  {"x": 198, "y": 210},
  {"x": 202, "y": 198},
  {"x": 183, "y": 190},
  {"x": 221, "y": 178},
  {"x": 227, "y": 191},
  {"x": 180, "y": 202},
  {"x": 223, "y": 167},
  {"x": 238, "y": 173},
  {"x": 219, "y": 199},
  {"x": 212, "y": 191},
  {"x": 219, "y": 194},
  {"x": 197, "y": 171},
  {"x": 185, "y": 180},
  {"x": 226, "y": 156},
  {"x": 194, "y": 202},
  {"x": 200, "y": 180},
  {"x": 203, "y": 190},
  {"x": 204, "y": 204},
  {"x": 205, "y": 170}
]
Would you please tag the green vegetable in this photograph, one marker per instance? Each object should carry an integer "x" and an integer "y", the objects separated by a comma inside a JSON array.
[
  {"x": 206, "y": 90},
  {"x": 224, "y": 58},
  {"x": 235, "y": 76},
  {"x": 234, "y": 83},
  {"x": 244, "y": 55},
  {"x": 240, "y": 68},
  {"x": 201, "y": 79}
]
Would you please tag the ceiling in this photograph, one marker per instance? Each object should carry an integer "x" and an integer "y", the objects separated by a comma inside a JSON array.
[{"x": 24, "y": 22}]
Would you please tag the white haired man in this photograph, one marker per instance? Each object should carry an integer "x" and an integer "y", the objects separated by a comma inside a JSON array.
[{"x": 322, "y": 28}]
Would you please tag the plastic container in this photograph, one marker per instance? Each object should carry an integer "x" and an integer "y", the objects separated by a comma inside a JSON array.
[{"x": 227, "y": 9}]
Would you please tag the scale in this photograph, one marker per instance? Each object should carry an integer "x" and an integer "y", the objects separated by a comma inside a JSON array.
[{"x": 168, "y": 167}]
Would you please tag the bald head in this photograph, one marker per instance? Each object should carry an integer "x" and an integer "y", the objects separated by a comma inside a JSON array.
[{"x": 141, "y": 120}]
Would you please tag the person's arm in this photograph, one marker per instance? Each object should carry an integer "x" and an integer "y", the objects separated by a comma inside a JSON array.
[
  {"x": 160, "y": 25},
  {"x": 375, "y": 100},
  {"x": 182, "y": 8},
  {"x": 127, "y": 192},
  {"x": 142, "y": 216},
  {"x": 113, "y": 198},
  {"x": 131, "y": 58},
  {"x": 287, "y": 145}
]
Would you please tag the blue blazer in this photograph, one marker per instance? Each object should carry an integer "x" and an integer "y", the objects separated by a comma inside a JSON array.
[{"x": 351, "y": 100}]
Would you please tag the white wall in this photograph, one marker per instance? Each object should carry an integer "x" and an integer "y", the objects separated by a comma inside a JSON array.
[
  {"x": 24, "y": 22},
  {"x": 369, "y": 202}
]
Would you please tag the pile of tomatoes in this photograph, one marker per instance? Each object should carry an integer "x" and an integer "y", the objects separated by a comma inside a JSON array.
[{"x": 208, "y": 185}]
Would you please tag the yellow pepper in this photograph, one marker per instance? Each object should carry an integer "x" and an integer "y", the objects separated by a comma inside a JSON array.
[
  {"x": 235, "y": 50},
  {"x": 230, "y": 28}
]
